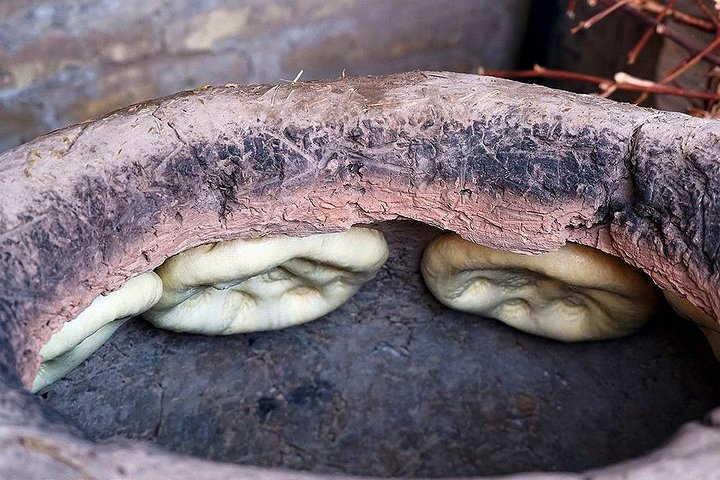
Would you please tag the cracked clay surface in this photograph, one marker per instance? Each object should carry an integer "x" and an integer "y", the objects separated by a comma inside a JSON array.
[{"x": 508, "y": 165}]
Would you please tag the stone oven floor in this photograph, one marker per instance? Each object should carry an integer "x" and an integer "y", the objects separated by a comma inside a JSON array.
[{"x": 395, "y": 384}]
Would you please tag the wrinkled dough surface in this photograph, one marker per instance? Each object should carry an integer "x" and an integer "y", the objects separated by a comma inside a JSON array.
[
  {"x": 264, "y": 284},
  {"x": 577, "y": 293},
  {"x": 56, "y": 368},
  {"x": 80, "y": 337}
]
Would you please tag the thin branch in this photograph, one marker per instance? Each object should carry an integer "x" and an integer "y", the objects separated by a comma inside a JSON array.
[
  {"x": 622, "y": 81},
  {"x": 653, "y": 6},
  {"x": 683, "y": 67},
  {"x": 708, "y": 13},
  {"x": 641, "y": 98},
  {"x": 628, "y": 82},
  {"x": 585, "y": 24},
  {"x": 542, "y": 72},
  {"x": 570, "y": 11},
  {"x": 667, "y": 32},
  {"x": 633, "y": 54}
]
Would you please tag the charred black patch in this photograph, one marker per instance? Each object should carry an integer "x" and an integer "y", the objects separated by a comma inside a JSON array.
[
  {"x": 547, "y": 131},
  {"x": 311, "y": 140},
  {"x": 422, "y": 150},
  {"x": 265, "y": 154},
  {"x": 228, "y": 150},
  {"x": 221, "y": 173},
  {"x": 355, "y": 168},
  {"x": 544, "y": 162},
  {"x": 63, "y": 237},
  {"x": 91, "y": 228},
  {"x": 495, "y": 156},
  {"x": 677, "y": 199},
  {"x": 224, "y": 168},
  {"x": 356, "y": 134},
  {"x": 427, "y": 124},
  {"x": 299, "y": 136},
  {"x": 378, "y": 135}
]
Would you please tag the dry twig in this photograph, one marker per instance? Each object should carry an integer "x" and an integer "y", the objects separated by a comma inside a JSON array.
[
  {"x": 622, "y": 81},
  {"x": 665, "y": 10},
  {"x": 635, "y": 51}
]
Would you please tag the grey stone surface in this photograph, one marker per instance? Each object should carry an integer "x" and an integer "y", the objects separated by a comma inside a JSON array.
[
  {"x": 63, "y": 62},
  {"x": 395, "y": 384}
]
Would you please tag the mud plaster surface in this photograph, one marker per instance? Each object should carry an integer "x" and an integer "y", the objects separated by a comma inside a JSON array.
[
  {"x": 393, "y": 383},
  {"x": 490, "y": 159}
]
